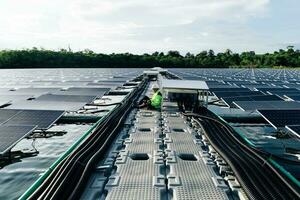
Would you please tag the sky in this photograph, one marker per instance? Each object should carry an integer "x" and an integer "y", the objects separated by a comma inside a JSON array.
[{"x": 146, "y": 26}]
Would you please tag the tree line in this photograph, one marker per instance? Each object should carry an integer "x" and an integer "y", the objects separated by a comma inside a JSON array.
[{"x": 63, "y": 58}]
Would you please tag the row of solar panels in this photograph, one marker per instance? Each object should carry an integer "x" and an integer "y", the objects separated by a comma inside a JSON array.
[
  {"x": 71, "y": 99},
  {"x": 272, "y": 108}
]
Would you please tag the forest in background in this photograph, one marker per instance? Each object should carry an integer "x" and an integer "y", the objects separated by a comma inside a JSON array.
[{"x": 66, "y": 58}]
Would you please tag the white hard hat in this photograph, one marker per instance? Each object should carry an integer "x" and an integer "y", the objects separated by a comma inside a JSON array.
[{"x": 155, "y": 86}]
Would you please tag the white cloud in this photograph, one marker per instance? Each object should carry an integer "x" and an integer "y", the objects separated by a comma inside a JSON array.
[{"x": 126, "y": 25}]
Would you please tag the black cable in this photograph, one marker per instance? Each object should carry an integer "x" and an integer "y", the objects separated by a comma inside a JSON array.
[{"x": 287, "y": 188}]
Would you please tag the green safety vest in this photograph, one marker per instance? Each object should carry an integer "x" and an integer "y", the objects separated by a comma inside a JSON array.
[{"x": 156, "y": 100}]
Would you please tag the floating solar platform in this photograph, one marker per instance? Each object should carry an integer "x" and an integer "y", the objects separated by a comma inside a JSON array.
[
  {"x": 229, "y": 100},
  {"x": 295, "y": 129},
  {"x": 11, "y": 135},
  {"x": 66, "y": 98},
  {"x": 43, "y": 119},
  {"x": 267, "y": 105},
  {"x": 281, "y": 118}
]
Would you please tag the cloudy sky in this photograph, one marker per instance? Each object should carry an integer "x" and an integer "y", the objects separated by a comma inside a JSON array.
[{"x": 140, "y": 26}]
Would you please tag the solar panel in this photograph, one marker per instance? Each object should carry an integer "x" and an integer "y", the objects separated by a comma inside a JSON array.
[
  {"x": 43, "y": 119},
  {"x": 267, "y": 105},
  {"x": 278, "y": 89},
  {"x": 13, "y": 98},
  {"x": 47, "y": 105},
  {"x": 283, "y": 93},
  {"x": 281, "y": 118},
  {"x": 294, "y": 97},
  {"x": 7, "y": 114},
  {"x": 83, "y": 91},
  {"x": 32, "y": 91},
  {"x": 229, "y": 100},
  {"x": 295, "y": 129},
  {"x": 221, "y": 94},
  {"x": 229, "y": 89},
  {"x": 11, "y": 135},
  {"x": 66, "y": 98}
]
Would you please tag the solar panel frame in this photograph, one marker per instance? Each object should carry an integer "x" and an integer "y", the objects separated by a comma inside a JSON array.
[{"x": 7, "y": 143}]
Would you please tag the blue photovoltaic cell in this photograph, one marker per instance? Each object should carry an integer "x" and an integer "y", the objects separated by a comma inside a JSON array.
[{"x": 10, "y": 135}]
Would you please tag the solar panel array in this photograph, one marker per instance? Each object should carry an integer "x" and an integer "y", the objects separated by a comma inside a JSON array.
[
  {"x": 39, "y": 97},
  {"x": 279, "y": 91}
]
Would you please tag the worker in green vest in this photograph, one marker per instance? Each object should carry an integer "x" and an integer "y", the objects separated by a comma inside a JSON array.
[{"x": 155, "y": 101}]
